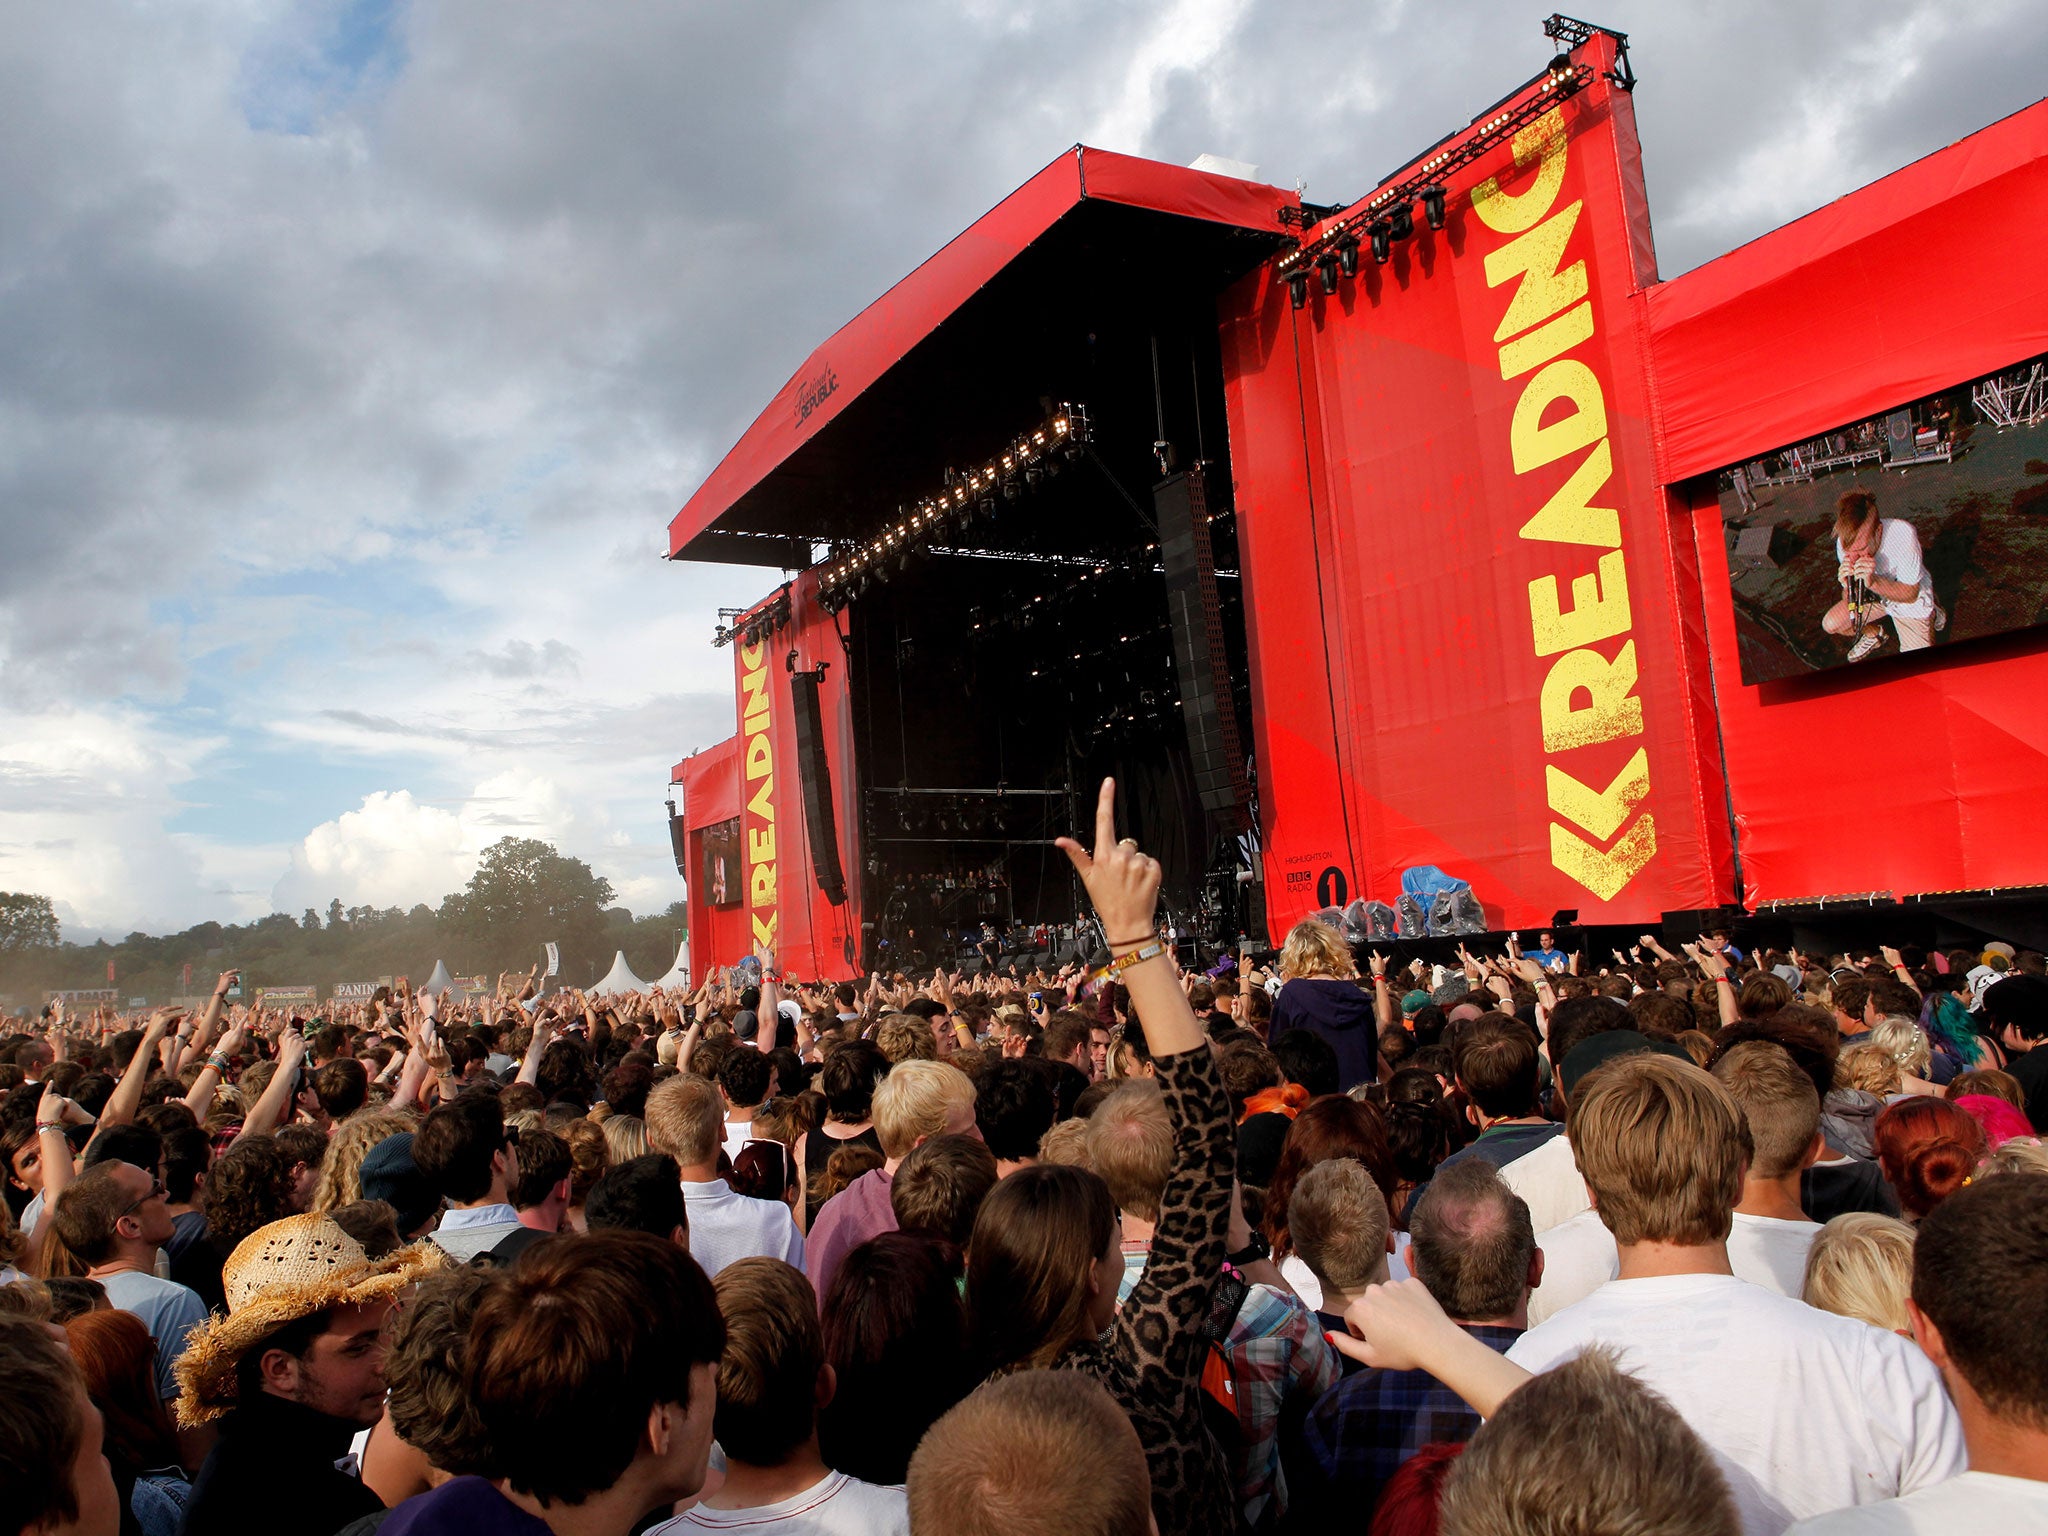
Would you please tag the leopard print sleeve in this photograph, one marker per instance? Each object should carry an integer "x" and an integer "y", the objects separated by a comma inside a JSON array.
[{"x": 1153, "y": 1359}]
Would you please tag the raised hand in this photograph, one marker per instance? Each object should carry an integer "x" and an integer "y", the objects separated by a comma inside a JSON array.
[{"x": 1122, "y": 883}]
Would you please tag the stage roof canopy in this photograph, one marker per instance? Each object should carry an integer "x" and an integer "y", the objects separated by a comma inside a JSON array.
[{"x": 964, "y": 352}]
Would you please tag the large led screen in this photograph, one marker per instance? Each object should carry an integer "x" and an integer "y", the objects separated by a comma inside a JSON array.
[
  {"x": 723, "y": 872},
  {"x": 1908, "y": 531}
]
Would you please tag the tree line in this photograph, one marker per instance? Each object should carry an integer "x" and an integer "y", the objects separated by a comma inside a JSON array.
[{"x": 523, "y": 895}]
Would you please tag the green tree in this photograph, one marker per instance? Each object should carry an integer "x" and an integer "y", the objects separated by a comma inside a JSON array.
[
  {"x": 525, "y": 894},
  {"x": 334, "y": 913},
  {"x": 311, "y": 921},
  {"x": 29, "y": 922}
]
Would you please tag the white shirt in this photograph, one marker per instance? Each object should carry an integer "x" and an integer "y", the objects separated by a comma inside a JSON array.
[
  {"x": 837, "y": 1506},
  {"x": 1805, "y": 1412},
  {"x": 1771, "y": 1252},
  {"x": 1303, "y": 1282},
  {"x": 726, "y": 1227},
  {"x": 1548, "y": 1181},
  {"x": 1972, "y": 1503},
  {"x": 1898, "y": 559},
  {"x": 465, "y": 1232},
  {"x": 1579, "y": 1256}
]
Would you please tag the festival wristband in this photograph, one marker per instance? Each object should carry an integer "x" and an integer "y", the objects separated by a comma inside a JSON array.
[
  {"x": 1122, "y": 963},
  {"x": 218, "y": 1061},
  {"x": 1147, "y": 939}
]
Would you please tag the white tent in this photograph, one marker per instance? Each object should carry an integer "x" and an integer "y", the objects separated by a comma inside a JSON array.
[
  {"x": 619, "y": 978},
  {"x": 440, "y": 982},
  {"x": 678, "y": 975}
]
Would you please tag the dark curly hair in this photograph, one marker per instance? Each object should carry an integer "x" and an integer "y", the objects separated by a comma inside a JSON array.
[{"x": 249, "y": 1186}]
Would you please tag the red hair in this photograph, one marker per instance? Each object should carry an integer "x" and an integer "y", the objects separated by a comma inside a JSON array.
[
  {"x": 1408, "y": 1502},
  {"x": 1928, "y": 1149},
  {"x": 1330, "y": 1127},
  {"x": 117, "y": 1357}
]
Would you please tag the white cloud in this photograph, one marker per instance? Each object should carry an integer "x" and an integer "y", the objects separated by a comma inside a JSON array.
[
  {"x": 393, "y": 850},
  {"x": 84, "y": 796}
]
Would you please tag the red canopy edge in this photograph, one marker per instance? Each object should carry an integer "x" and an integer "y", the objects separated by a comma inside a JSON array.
[
  {"x": 864, "y": 349},
  {"x": 711, "y": 784},
  {"x": 1860, "y": 306}
]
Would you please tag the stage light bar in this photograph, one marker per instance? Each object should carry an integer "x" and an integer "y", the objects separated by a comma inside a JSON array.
[
  {"x": 1031, "y": 457},
  {"x": 1387, "y": 215},
  {"x": 750, "y": 626}
]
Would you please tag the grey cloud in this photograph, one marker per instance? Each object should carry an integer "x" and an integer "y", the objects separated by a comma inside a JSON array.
[{"x": 522, "y": 659}]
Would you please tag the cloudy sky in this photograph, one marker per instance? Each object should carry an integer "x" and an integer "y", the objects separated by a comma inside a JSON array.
[{"x": 354, "y": 354}]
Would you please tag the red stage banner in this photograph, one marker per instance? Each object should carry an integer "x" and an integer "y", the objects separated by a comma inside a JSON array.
[
  {"x": 1463, "y": 603},
  {"x": 773, "y": 903},
  {"x": 1909, "y": 775}
]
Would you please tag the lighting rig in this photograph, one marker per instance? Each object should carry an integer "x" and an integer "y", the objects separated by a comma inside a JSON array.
[
  {"x": 750, "y": 626},
  {"x": 1387, "y": 217},
  {"x": 1031, "y": 459}
]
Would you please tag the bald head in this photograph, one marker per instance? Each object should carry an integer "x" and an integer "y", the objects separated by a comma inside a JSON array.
[{"x": 1472, "y": 1244}]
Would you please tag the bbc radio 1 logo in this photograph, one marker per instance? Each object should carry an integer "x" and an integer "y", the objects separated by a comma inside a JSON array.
[{"x": 1331, "y": 888}]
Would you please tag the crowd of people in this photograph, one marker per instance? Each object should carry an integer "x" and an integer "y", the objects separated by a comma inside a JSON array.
[{"x": 1692, "y": 1241}]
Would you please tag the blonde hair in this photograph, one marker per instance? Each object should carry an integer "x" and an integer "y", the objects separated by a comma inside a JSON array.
[
  {"x": 2018, "y": 1154},
  {"x": 341, "y": 1171},
  {"x": 1038, "y": 1453},
  {"x": 1525, "y": 1468},
  {"x": 1869, "y": 1068},
  {"x": 1066, "y": 1143},
  {"x": 626, "y": 1135},
  {"x": 1337, "y": 1222},
  {"x": 1905, "y": 1042},
  {"x": 1130, "y": 1143},
  {"x": 1316, "y": 949},
  {"x": 1861, "y": 1266},
  {"x": 1778, "y": 1102},
  {"x": 915, "y": 1100},
  {"x": 686, "y": 1119},
  {"x": 1661, "y": 1145},
  {"x": 905, "y": 1037}
]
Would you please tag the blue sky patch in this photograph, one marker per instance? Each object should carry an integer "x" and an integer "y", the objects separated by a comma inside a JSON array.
[{"x": 322, "y": 57}]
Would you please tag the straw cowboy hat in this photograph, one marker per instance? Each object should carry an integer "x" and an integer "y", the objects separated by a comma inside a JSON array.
[{"x": 278, "y": 1274}]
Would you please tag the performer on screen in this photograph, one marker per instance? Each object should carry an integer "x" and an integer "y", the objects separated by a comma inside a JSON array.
[{"x": 1881, "y": 577}]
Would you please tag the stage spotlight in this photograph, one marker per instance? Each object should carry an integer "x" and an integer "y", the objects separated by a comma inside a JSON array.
[
  {"x": 1012, "y": 490},
  {"x": 1326, "y": 269},
  {"x": 1297, "y": 289},
  {"x": 1560, "y": 66},
  {"x": 1433, "y": 206},
  {"x": 1401, "y": 222},
  {"x": 1347, "y": 256},
  {"x": 1382, "y": 240},
  {"x": 1033, "y": 475}
]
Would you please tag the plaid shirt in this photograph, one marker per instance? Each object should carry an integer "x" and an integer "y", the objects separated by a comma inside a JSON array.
[
  {"x": 1279, "y": 1361},
  {"x": 1358, "y": 1435}
]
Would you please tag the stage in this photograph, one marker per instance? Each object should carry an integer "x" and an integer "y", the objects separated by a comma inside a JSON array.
[{"x": 1356, "y": 539}]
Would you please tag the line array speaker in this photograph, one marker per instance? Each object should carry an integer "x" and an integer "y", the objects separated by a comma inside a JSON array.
[
  {"x": 1182, "y": 504},
  {"x": 816, "y": 774}
]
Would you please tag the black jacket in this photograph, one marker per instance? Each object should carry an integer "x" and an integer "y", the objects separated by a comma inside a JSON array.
[
  {"x": 1339, "y": 1012},
  {"x": 273, "y": 1470}
]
